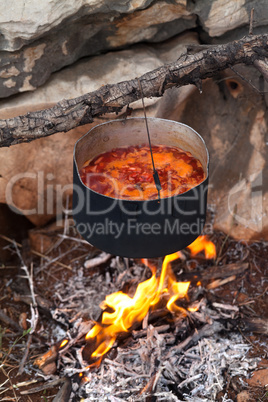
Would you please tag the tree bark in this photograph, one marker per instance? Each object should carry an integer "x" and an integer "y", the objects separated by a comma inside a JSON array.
[{"x": 188, "y": 69}]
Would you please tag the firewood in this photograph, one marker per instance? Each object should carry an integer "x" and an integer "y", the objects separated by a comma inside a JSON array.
[{"x": 255, "y": 324}]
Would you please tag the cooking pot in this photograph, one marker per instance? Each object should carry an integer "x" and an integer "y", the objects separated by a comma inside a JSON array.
[{"x": 134, "y": 228}]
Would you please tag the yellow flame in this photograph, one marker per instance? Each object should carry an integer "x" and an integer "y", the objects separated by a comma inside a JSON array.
[
  {"x": 129, "y": 310},
  {"x": 63, "y": 343},
  {"x": 124, "y": 311},
  {"x": 203, "y": 244},
  {"x": 194, "y": 307}
]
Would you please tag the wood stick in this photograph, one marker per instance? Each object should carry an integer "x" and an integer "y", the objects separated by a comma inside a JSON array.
[
  {"x": 220, "y": 282},
  {"x": 47, "y": 385},
  {"x": 216, "y": 271},
  {"x": 255, "y": 324},
  {"x": 188, "y": 69},
  {"x": 35, "y": 252},
  {"x": 206, "y": 330},
  {"x": 251, "y": 22},
  {"x": 8, "y": 321},
  {"x": 25, "y": 355},
  {"x": 64, "y": 393}
]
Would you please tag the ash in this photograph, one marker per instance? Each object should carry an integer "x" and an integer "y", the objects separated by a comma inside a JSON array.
[
  {"x": 154, "y": 362},
  {"x": 81, "y": 295},
  {"x": 149, "y": 368}
]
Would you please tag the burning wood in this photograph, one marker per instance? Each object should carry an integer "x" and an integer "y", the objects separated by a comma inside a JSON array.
[
  {"x": 203, "y": 244},
  {"x": 129, "y": 310},
  {"x": 158, "y": 340},
  {"x": 122, "y": 312}
]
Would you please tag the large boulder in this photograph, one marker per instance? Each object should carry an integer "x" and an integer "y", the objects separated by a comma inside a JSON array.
[
  {"x": 231, "y": 115},
  {"x": 36, "y": 178},
  {"x": 39, "y": 38},
  {"x": 231, "y": 17}
]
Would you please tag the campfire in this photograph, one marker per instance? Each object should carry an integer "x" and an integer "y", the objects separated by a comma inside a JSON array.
[
  {"x": 127, "y": 311},
  {"x": 162, "y": 316},
  {"x": 133, "y": 299},
  {"x": 167, "y": 329}
]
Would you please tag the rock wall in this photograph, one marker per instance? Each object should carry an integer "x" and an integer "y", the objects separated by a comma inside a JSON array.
[
  {"x": 39, "y": 38},
  {"x": 29, "y": 169},
  {"x": 232, "y": 118}
]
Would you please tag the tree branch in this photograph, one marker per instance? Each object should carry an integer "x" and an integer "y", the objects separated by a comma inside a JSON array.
[{"x": 188, "y": 69}]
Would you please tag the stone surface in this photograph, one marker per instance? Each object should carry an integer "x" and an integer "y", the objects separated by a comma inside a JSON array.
[
  {"x": 244, "y": 396},
  {"x": 221, "y": 16},
  {"x": 39, "y": 38},
  {"x": 232, "y": 118},
  {"x": 259, "y": 378},
  {"x": 36, "y": 178},
  {"x": 44, "y": 239},
  {"x": 26, "y": 20},
  {"x": 229, "y": 114}
]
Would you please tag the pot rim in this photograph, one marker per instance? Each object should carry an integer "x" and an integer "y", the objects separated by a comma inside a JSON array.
[{"x": 140, "y": 118}]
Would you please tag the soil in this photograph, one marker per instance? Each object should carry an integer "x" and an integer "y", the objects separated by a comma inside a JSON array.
[{"x": 248, "y": 291}]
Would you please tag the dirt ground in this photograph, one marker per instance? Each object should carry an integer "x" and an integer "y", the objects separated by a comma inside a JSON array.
[{"x": 63, "y": 262}]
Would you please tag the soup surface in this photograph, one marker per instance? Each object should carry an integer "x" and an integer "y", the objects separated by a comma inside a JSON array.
[{"x": 127, "y": 173}]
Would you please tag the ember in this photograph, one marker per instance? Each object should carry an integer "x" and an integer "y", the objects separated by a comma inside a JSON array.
[
  {"x": 175, "y": 339},
  {"x": 132, "y": 310},
  {"x": 128, "y": 310}
]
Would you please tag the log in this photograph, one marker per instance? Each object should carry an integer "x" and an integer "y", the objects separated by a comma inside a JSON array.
[{"x": 188, "y": 69}]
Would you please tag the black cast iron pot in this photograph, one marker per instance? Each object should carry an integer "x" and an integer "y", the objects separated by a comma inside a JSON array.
[{"x": 139, "y": 229}]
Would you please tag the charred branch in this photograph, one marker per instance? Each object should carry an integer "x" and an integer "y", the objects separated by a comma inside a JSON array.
[{"x": 188, "y": 69}]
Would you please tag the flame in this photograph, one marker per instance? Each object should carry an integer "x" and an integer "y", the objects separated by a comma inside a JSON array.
[
  {"x": 129, "y": 310},
  {"x": 63, "y": 343},
  {"x": 122, "y": 311},
  {"x": 203, "y": 244}
]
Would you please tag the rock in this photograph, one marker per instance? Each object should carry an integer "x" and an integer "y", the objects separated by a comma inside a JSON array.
[
  {"x": 36, "y": 178},
  {"x": 221, "y": 16},
  {"x": 42, "y": 240},
  {"x": 232, "y": 118},
  {"x": 263, "y": 363},
  {"x": 37, "y": 40},
  {"x": 229, "y": 114},
  {"x": 244, "y": 396},
  {"x": 259, "y": 378}
]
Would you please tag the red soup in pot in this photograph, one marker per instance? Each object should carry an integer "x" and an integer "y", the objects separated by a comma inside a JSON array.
[{"x": 127, "y": 173}]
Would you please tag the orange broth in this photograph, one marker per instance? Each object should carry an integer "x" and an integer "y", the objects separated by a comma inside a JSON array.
[{"x": 127, "y": 173}]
